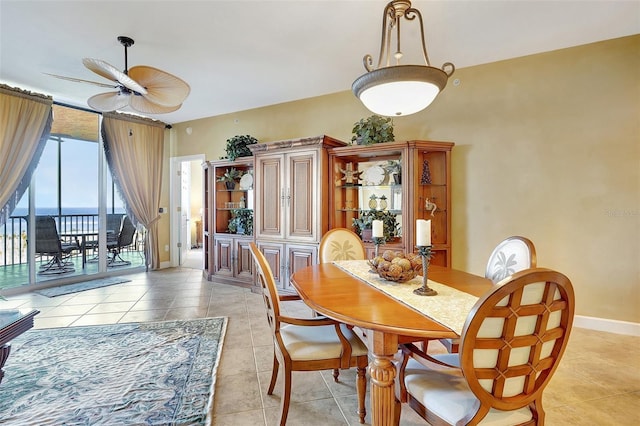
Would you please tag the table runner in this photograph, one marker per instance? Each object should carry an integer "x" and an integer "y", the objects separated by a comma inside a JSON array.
[{"x": 449, "y": 307}]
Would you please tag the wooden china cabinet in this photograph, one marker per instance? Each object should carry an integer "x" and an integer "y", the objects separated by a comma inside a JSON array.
[
  {"x": 291, "y": 202},
  {"x": 362, "y": 183},
  {"x": 227, "y": 217}
]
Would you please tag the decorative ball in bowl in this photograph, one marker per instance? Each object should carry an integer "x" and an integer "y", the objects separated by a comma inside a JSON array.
[{"x": 397, "y": 266}]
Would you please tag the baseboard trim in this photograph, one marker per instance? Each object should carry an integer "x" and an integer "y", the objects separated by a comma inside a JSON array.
[{"x": 608, "y": 325}]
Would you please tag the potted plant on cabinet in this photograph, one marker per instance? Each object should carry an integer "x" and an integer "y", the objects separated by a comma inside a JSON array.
[
  {"x": 237, "y": 146},
  {"x": 374, "y": 129},
  {"x": 230, "y": 177},
  {"x": 363, "y": 223},
  {"x": 241, "y": 222}
]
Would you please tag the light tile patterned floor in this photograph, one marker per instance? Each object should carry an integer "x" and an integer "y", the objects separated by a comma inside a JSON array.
[{"x": 597, "y": 383}]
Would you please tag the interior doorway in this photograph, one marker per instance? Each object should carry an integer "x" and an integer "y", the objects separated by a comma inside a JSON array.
[{"x": 186, "y": 209}]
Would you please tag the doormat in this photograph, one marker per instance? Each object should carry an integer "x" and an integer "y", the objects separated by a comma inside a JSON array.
[
  {"x": 155, "y": 373},
  {"x": 85, "y": 285}
]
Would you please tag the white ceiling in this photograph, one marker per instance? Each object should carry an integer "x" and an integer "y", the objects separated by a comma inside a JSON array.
[{"x": 241, "y": 54}]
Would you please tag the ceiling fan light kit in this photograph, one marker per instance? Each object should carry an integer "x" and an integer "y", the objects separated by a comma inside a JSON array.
[
  {"x": 142, "y": 88},
  {"x": 398, "y": 90}
]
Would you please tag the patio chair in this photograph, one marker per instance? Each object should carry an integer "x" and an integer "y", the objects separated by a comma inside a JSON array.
[
  {"x": 48, "y": 243},
  {"x": 113, "y": 223},
  {"x": 511, "y": 345},
  {"x": 307, "y": 344},
  {"x": 125, "y": 238}
]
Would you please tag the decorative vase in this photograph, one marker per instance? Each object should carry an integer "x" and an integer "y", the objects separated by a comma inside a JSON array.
[
  {"x": 367, "y": 235},
  {"x": 230, "y": 185},
  {"x": 397, "y": 178}
]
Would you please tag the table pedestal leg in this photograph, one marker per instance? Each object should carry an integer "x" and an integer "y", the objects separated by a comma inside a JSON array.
[{"x": 383, "y": 374}]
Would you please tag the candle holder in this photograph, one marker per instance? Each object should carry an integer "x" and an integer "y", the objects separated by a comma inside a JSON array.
[
  {"x": 377, "y": 241},
  {"x": 425, "y": 290}
]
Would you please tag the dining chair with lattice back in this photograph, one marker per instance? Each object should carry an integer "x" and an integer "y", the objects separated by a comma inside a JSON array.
[
  {"x": 511, "y": 255},
  {"x": 307, "y": 344},
  {"x": 511, "y": 344}
]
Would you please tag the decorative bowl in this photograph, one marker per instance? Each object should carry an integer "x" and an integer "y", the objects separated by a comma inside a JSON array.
[{"x": 400, "y": 278}]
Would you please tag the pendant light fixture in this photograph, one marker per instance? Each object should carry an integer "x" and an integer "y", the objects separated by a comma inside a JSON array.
[{"x": 397, "y": 90}]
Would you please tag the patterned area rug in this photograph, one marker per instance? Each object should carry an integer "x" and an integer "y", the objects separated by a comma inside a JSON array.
[
  {"x": 85, "y": 285},
  {"x": 158, "y": 373}
]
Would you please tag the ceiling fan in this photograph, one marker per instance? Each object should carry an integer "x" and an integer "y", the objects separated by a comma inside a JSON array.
[{"x": 144, "y": 89}]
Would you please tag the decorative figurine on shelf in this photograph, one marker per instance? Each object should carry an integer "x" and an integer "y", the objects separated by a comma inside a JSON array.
[
  {"x": 373, "y": 204},
  {"x": 430, "y": 206},
  {"x": 382, "y": 204},
  {"x": 351, "y": 176},
  {"x": 423, "y": 244},
  {"x": 426, "y": 173}
]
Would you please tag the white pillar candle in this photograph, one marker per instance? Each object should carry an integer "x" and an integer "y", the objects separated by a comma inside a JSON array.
[
  {"x": 377, "y": 229},
  {"x": 423, "y": 232}
]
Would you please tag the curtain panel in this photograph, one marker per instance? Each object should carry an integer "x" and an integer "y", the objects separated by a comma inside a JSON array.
[
  {"x": 134, "y": 147},
  {"x": 25, "y": 124}
]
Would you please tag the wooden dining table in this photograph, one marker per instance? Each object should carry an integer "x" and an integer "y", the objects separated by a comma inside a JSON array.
[{"x": 331, "y": 291}]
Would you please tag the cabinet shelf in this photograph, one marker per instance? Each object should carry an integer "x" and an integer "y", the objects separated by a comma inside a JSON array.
[{"x": 408, "y": 201}]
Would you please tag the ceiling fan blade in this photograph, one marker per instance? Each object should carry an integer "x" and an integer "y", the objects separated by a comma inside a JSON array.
[
  {"x": 143, "y": 105},
  {"x": 79, "y": 80},
  {"x": 106, "y": 102},
  {"x": 162, "y": 88},
  {"x": 112, "y": 73}
]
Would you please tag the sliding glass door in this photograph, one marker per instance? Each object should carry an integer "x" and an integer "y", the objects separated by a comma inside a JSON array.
[{"x": 71, "y": 220}]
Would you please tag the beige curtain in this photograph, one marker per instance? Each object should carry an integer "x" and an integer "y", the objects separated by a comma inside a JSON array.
[
  {"x": 134, "y": 147},
  {"x": 25, "y": 123}
]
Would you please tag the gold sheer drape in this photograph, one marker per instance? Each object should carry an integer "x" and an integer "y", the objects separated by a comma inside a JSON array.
[
  {"x": 134, "y": 148},
  {"x": 25, "y": 122}
]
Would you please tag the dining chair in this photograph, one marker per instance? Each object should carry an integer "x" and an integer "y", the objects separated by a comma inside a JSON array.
[
  {"x": 511, "y": 255},
  {"x": 48, "y": 243},
  {"x": 511, "y": 344},
  {"x": 341, "y": 244},
  {"x": 307, "y": 344},
  {"x": 125, "y": 238}
]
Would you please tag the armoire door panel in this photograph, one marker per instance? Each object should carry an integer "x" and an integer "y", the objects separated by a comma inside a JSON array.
[
  {"x": 301, "y": 196},
  {"x": 244, "y": 260},
  {"x": 271, "y": 198}
]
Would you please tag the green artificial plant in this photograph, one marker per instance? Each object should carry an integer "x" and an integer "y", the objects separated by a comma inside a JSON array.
[
  {"x": 237, "y": 146},
  {"x": 374, "y": 129}
]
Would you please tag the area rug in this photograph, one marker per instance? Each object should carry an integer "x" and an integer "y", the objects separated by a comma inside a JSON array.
[
  {"x": 85, "y": 285},
  {"x": 157, "y": 373}
]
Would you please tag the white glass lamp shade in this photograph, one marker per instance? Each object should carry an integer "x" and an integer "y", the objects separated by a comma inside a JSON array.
[{"x": 399, "y": 90}]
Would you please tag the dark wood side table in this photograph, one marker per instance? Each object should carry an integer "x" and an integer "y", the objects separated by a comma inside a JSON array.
[{"x": 13, "y": 322}]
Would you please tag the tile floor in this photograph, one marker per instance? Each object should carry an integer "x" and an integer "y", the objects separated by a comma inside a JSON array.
[{"x": 597, "y": 383}]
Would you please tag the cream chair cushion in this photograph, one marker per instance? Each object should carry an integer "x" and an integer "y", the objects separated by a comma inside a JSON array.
[
  {"x": 312, "y": 343},
  {"x": 448, "y": 396},
  {"x": 341, "y": 244}
]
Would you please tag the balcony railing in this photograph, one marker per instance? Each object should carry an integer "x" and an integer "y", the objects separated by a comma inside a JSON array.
[{"x": 14, "y": 234}]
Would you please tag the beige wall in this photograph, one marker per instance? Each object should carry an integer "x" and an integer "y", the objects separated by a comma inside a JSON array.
[{"x": 547, "y": 146}]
